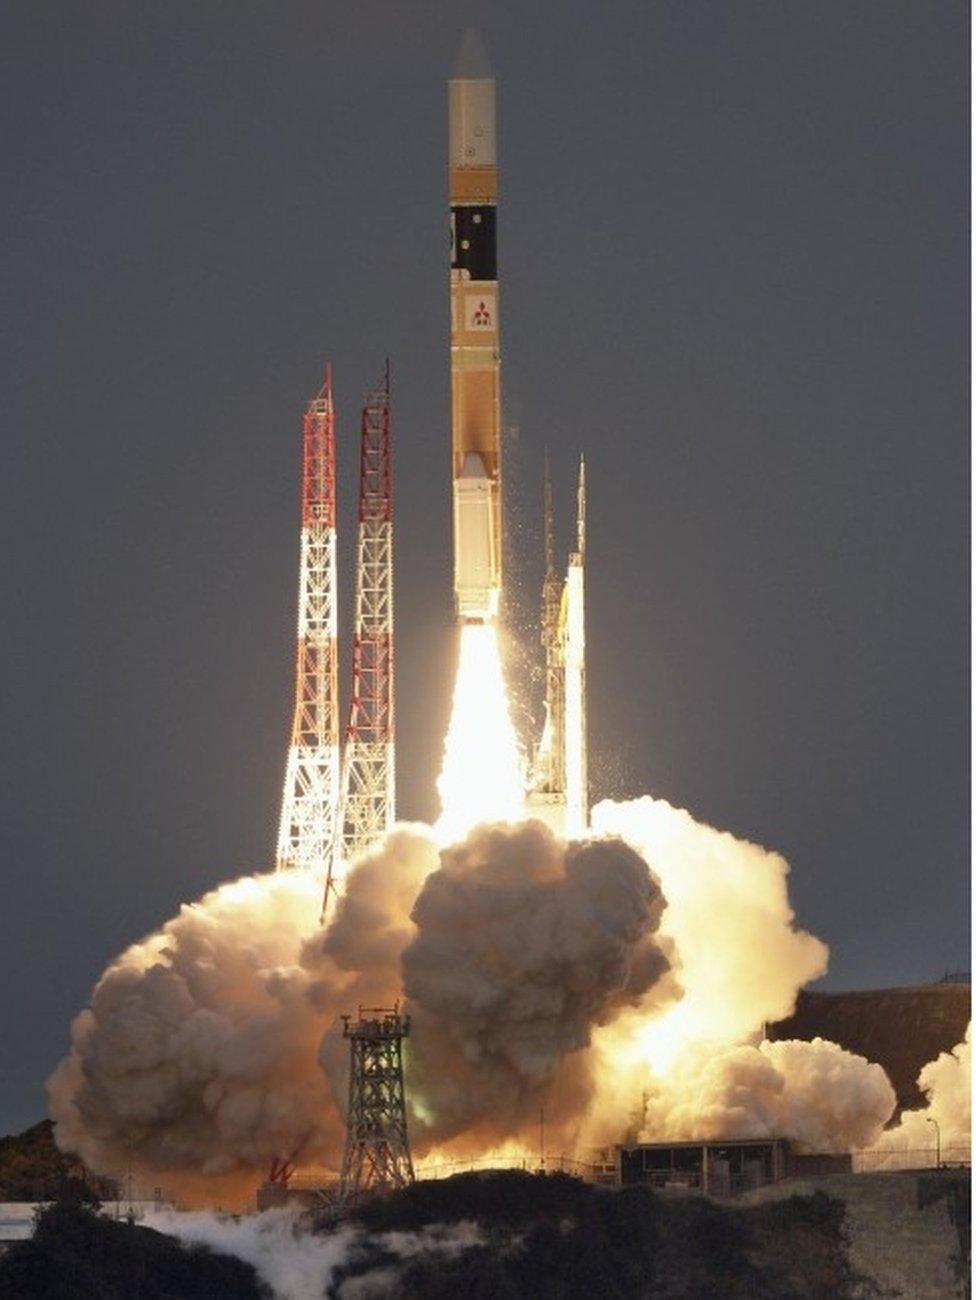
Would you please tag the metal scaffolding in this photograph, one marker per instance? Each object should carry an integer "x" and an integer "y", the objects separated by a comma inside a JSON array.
[
  {"x": 377, "y": 1155},
  {"x": 311, "y": 794},
  {"x": 368, "y": 794}
]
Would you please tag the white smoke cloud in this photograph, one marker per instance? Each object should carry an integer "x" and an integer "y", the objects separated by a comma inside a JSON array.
[
  {"x": 823, "y": 1097},
  {"x": 536, "y": 974},
  {"x": 699, "y": 1068},
  {"x": 947, "y": 1085},
  {"x": 299, "y": 1264},
  {"x": 523, "y": 945},
  {"x": 197, "y": 1053},
  {"x": 737, "y": 955}
]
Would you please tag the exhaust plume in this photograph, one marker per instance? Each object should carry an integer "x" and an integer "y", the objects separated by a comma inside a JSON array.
[
  {"x": 481, "y": 778},
  {"x": 523, "y": 945},
  {"x": 197, "y": 1052},
  {"x": 947, "y": 1085},
  {"x": 618, "y": 984},
  {"x": 699, "y": 1068},
  {"x": 823, "y": 1097},
  {"x": 737, "y": 957},
  {"x": 299, "y": 1264},
  {"x": 197, "y": 1056}
]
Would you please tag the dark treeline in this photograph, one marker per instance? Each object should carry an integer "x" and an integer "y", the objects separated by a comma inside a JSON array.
[{"x": 541, "y": 1237}]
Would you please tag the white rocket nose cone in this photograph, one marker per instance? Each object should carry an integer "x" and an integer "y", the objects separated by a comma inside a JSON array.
[{"x": 471, "y": 63}]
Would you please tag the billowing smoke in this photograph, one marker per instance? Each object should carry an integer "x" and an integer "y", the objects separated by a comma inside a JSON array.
[
  {"x": 737, "y": 956},
  {"x": 947, "y": 1085},
  {"x": 198, "y": 1053},
  {"x": 523, "y": 945},
  {"x": 298, "y": 1264},
  {"x": 618, "y": 983},
  {"x": 823, "y": 1097},
  {"x": 700, "y": 1067}
]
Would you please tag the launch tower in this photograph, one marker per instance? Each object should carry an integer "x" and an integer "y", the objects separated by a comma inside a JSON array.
[
  {"x": 377, "y": 1153},
  {"x": 368, "y": 797},
  {"x": 311, "y": 793}
]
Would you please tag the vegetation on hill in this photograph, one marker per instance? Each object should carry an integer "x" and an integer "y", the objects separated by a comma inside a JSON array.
[
  {"x": 538, "y": 1237},
  {"x": 553, "y": 1236},
  {"x": 76, "y": 1254},
  {"x": 33, "y": 1169}
]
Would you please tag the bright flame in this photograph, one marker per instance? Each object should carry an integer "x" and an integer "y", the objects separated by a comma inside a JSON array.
[{"x": 481, "y": 778}]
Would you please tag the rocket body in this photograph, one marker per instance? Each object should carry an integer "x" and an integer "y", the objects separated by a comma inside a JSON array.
[{"x": 475, "y": 358}]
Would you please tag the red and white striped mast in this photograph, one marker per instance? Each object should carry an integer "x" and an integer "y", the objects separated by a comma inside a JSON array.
[
  {"x": 369, "y": 790},
  {"x": 309, "y": 805}
]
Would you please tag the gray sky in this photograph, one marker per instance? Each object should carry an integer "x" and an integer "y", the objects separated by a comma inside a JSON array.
[{"x": 734, "y": 262}]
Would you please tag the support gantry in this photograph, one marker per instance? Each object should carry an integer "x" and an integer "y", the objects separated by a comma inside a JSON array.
[
  {"x": 369, "y": 789},
  {"x": 311, "y": 794},
  {"x": 377, "y": 1153}
]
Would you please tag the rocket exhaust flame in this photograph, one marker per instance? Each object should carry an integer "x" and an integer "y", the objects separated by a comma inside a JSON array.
[{"x": 481, "y": 779}]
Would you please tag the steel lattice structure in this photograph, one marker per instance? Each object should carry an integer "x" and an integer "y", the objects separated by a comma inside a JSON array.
[
  {"x": 369, "y": 792},
  {"x": 310, "y": 802},
  {"x": 377, "y": 1153}
]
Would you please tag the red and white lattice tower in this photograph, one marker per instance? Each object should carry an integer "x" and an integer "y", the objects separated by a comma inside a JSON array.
[
  {"x": 369, "y": 763},
  {"x": 309, "y": 806}
]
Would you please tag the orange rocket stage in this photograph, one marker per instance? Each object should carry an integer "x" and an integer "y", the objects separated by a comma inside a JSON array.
[{"x": 475, "y": 359}]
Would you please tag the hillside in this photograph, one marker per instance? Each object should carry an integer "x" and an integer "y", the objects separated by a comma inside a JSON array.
[
  {"x": 78, "y": 1255},
  {"x": 556, "y": 1238},
  {"x": 33, "y": 1169},
  {"x": 509, "y": 1235}
]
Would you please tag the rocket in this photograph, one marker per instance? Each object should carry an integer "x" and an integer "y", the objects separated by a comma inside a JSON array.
[{"x": 475, "y": 359}]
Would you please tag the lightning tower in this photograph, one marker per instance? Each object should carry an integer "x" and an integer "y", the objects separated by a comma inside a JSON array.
[
  {"x": 377, "y": 1153},
  {"x": 368, "y": 797},
  {"x": 311, "y": 794}
]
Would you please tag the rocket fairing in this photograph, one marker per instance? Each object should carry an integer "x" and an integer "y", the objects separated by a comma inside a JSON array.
[{"x": 475, "y": 361}]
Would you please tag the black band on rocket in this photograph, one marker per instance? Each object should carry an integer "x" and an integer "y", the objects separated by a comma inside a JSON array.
[{"x": 473, "y": 242}]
